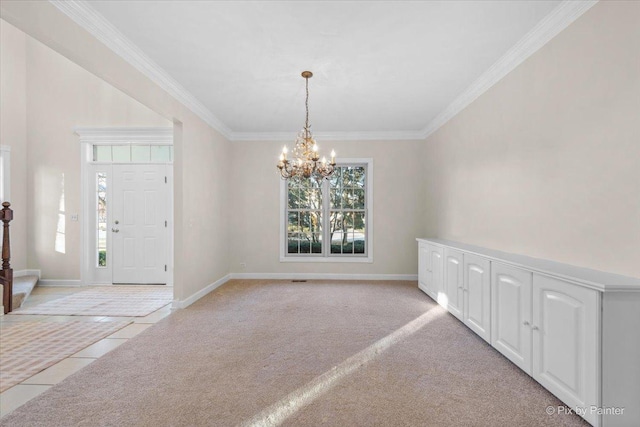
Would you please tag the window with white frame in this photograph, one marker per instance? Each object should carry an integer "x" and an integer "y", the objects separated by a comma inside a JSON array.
[{"x": 329, "y": 219}]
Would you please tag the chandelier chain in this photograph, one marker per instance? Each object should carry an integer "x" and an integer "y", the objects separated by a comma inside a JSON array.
[{"x": 306, "y": 104}]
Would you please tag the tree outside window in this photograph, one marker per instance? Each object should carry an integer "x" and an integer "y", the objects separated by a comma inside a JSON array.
[{"x": 332, "y": 210}]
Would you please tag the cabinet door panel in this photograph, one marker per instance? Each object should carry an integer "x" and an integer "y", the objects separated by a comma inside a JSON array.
[
  {"x": 477, "y": 295},
  {"x": 423, "y": 267},
  {"x": 454, "y": 281},
  {"x": 436, "y": 262},
  {"x": 511, "y": 313},
  {"x": 565, "y": 344}
]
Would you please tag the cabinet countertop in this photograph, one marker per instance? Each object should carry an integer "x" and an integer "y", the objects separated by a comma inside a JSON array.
[{"x": 594, "y": 279}]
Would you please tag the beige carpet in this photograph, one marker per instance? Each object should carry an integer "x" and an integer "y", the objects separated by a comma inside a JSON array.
[
  {"x": 114, "y": 300},
  {"x": 300, "y": 354},
  {"x": 27, "y": 348}
]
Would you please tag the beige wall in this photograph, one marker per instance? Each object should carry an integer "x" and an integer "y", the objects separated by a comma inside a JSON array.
[
  {"x": 60, "y": 96},
  {"x": 13, "y": 132},
  {"x": 204, "y": 251},
  {"x": 398, "y": 207},
  {"x": 201, "y": 154},
  {"x": 547, "y": 162}
]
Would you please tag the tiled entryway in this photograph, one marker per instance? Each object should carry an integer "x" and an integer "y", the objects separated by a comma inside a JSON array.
[
  {"x": 30, "y": 347},
  {"x": 19, "y": 394}
]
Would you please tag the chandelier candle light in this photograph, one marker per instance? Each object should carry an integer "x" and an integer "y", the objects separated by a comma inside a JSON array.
[{"x": 306, "y": 161}]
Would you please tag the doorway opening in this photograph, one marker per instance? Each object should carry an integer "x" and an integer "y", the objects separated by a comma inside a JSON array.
[{"x": 127, "y": 205}]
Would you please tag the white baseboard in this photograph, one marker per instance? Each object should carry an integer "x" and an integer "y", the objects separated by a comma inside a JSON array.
[
  {"x": 177, "y": 304},
  {"x": 323, "y": 276},
  {"x": 22, "y": 273},
  {"x": 59, "y": 282}
]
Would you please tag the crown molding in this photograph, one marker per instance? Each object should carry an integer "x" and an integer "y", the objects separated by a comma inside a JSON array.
[
  {"x": 83, "y": 14},
  {"x": 556, "y": 21},
  {"x": 330, "y": 136},
  {"x": 147, "y": 135}
]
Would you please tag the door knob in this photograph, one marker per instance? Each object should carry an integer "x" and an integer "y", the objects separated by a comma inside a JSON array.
[
  {"x": 525, "y": 323},
  {"x": 115, "y": 230},
  {"x": 117, "y": 222},
  {"x": 535, "y": 328}
]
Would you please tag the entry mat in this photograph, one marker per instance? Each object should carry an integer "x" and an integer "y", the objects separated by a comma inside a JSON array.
[
  {"x": 112, "y": 300},
  {"x": 32, "y": 346}
]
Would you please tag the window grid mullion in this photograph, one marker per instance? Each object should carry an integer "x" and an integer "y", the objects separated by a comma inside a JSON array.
[
  {"x": 326, "y": 218},
  {"x": 298, "y": 232}
]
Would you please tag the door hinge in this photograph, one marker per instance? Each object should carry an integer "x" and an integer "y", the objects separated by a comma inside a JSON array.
[
  {"x": 165, "y": 223},
  {"x": 165, "y": 179},
  {"x": 165, "y": 267}
]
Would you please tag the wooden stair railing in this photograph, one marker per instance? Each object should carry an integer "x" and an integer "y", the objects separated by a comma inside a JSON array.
[{"x": 6, "y": 274}]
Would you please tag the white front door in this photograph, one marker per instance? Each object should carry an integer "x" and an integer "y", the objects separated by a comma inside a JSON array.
[{"x": 139, "y": 224}]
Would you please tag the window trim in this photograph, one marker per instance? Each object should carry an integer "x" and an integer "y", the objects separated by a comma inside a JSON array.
[{"x": 322, "y": 258}]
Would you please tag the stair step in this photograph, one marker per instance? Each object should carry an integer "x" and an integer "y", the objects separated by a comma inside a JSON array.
[{"x": 22, "y": 287}]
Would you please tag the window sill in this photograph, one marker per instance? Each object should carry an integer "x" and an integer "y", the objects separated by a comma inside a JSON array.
[{"x": 320, "y": 259}]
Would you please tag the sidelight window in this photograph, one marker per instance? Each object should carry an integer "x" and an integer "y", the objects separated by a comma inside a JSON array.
[{"x": 101, "y": 219}]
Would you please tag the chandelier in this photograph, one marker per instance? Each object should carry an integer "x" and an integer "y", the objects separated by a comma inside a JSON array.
[{"x": 305, "y": 161}]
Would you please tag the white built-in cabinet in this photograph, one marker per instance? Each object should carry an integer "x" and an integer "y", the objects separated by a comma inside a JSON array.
[
  {"x": 511, "y": 313},
  {"x": 548, "y": 328},
  {"x": 423, "y": 268},
  {"x": 454, "y": 281},
  {"x": 477, "y": 295},
  {"x": 575, "y": 331},
  {"x": 459, "y": 282},
  {"x": 431, "y": 272},
  {"x": 468, "y": 290},
  {"x": 565, "y": 341}
]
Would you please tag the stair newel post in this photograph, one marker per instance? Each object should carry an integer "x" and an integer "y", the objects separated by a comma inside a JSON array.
[{"x": 6, "y": 215}]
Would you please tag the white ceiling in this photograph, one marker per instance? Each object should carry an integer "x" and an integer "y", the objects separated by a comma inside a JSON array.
[{"x": 379, "y": 66}]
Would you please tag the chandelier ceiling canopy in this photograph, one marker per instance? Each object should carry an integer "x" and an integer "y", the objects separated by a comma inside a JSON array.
[{"x": 305, "y": 160}]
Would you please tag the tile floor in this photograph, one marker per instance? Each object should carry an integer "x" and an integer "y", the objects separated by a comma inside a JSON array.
[{"x": 19, "y": 394}]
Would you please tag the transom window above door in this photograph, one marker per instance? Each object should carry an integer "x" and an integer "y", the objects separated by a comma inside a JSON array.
[
  {"x": 126, "y": 145},
  {"x": 133, "y": 153}
]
